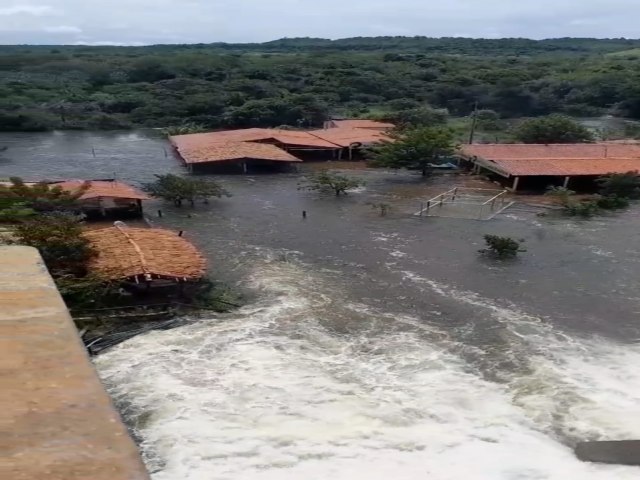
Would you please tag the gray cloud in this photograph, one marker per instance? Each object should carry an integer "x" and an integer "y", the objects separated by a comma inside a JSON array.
[
  {"x": 189, "y": 21},
  {"x": 26, "y": 9}
]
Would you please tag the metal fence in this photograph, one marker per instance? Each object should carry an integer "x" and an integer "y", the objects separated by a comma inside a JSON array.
[{"x": 464, "y": 202}]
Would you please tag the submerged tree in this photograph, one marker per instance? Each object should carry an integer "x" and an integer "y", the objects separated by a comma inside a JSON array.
[
  {"x": 177, "y": 189},
  {"x": 623, "y": 185},
  {"x": 553, "y": 129},
  {"x": 501, "y": 247},
  {"x": 331, "y": 183},
  {"x": 415, "y": 149}
]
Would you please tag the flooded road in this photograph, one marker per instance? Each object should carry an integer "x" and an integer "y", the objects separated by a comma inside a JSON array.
[{"x": 374, "y": 347}]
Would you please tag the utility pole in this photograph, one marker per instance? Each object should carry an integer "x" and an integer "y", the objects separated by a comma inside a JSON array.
[{"x": 474, "y": 123}]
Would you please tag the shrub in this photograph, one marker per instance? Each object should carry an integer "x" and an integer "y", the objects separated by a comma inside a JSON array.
[
  {"x": 501, "y": 247},
  {"x": 624, "y": 185},
  {"x": 561, "y": 195},
  {"x": 58, "y": 238},
  {"x": 582, "y": 209},
  {"x": 330, "y": 182},
  {"x": 612, "y": 203}
]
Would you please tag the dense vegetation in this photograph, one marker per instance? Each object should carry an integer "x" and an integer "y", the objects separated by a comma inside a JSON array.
[
  {"x": 299, "y": 82},
  {"x": 616, "y": 191},
  {"x": 552, "y": 129}
]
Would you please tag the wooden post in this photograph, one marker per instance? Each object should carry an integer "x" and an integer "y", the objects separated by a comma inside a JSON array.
[
  {"x": 350, "y": 153},
  {"x": 516, "y": 181},
  {"x": 245, "y": 169},
  {"x": 340, "y": 154},
  {"x": 566, "y": 182}
]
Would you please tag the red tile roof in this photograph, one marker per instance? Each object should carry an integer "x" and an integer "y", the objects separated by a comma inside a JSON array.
[
  {"x": 346, "y": 137},
  {"x": 535, "y": 151},
  {"x": 103, "y": 189},
  {"x": 557, "y": 160},
  {"x": 568, "y": 167},
  {"x": 260, "y": 143},
  {"x": 286, "y": 137},
  {"x": 221, "y": 152}
]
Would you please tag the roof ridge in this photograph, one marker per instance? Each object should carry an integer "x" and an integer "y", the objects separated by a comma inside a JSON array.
[{"x": 136, "y": 247}]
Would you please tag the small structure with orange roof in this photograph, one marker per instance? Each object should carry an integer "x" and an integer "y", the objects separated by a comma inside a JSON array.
[{"x": 106, "y": 198}]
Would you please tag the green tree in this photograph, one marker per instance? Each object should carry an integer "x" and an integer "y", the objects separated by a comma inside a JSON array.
[
  {"x": 19, "y": 200},
  {"x": 331, "y": 183},
  {"x": 177, "y": 189},
  {"x": 623, "y": 185},
  {"x": 415, "y": 149},
  {"x": 415, "y": 117},
  {"x": 487, "y": 120},
  {"x": 58, "y": 238},
  {"x": 553, "y": 129}
]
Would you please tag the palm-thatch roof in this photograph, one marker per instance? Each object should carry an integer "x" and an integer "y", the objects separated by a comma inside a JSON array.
[{"x": 144, "y": 254}]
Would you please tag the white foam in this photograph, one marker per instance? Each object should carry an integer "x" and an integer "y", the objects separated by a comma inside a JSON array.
[{"x": 271, "y": 394}]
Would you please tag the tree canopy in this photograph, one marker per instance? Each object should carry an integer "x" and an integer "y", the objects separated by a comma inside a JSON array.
[
  {"x": 19, "y": 200},
  {"x": 623, "y": 185},
  {"x": 553, "y": 129},
  {"x": 299, "y": 82},
  {"x": 58, "y": 238},
  {"x": 415, "y": 149},
  {"x": 331, "y": 183},
  {"x": 178, "y": 189}
]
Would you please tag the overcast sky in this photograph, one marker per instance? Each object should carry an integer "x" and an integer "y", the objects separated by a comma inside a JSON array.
[{"x": 135, "y": 22}]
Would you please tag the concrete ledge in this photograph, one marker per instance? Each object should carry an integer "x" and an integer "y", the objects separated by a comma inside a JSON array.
[{"x": 56, "y": 420}]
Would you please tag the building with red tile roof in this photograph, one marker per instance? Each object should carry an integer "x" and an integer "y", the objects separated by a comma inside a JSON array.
[
  {"x": 554, "y": 164},
  {"x": 267, "y": 146},
  {"x": 106, "y": 197}
]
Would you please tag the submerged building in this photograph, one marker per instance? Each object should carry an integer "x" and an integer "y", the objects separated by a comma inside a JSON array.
[
  {"x": 254, "y": 149},
  {"x": 536, "y": 167},
  {"x": 106, "y": 198}
]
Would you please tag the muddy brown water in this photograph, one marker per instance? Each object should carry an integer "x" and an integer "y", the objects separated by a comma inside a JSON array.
[{"x": 372, "y": 346}]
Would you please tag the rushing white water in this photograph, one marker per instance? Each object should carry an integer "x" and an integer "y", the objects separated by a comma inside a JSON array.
[{"x": 274, "y": 391}]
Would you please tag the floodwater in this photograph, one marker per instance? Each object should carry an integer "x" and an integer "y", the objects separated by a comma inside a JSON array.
[{"x": 374, "y": 347}]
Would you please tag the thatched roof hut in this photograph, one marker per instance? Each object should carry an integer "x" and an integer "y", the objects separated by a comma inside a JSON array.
[{"x": 144, "y": 255}]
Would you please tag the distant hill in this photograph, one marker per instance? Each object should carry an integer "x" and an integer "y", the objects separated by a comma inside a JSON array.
[{"x": 426, "y": 45}]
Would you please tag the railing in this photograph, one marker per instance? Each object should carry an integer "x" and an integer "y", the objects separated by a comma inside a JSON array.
[{"x": 480, "y": 200}]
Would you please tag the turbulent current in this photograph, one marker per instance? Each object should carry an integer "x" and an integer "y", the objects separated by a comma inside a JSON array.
[{"x": 276, "y": 391}]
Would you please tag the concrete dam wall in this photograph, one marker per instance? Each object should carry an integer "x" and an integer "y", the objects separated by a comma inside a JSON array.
[{"x": 56, "y": 420}]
